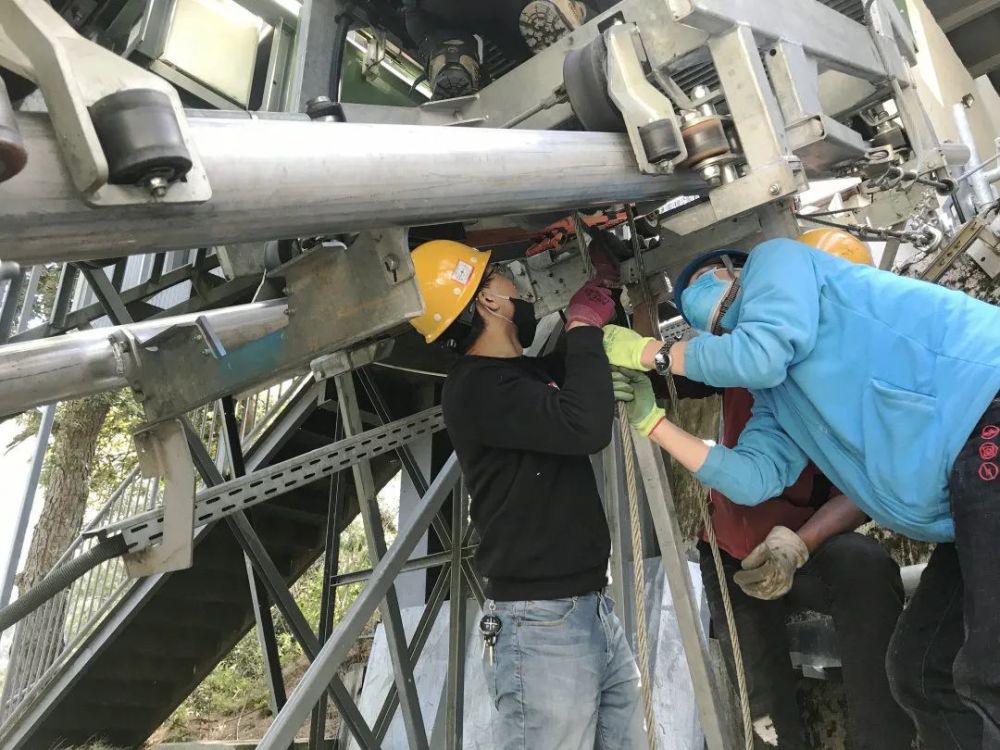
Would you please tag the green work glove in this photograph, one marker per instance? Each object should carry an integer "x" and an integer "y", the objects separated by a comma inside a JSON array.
[
  {"x": 634, "y": 389},
  {"x": 624, "y": 347}
]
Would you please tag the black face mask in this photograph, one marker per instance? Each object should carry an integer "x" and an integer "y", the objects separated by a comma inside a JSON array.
[{"x": 524, "y": 321}]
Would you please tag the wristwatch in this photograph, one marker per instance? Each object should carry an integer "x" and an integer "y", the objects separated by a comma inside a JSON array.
[{"x": 662, "y": 361}]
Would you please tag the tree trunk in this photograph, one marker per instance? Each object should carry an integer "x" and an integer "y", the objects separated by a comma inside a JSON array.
[{"x": 38, "y": 639}]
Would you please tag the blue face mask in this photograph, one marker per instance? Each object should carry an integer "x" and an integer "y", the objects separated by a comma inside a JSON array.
[{"x": 701, "y": 300}]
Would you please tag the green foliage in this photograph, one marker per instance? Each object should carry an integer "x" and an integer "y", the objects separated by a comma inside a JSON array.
[{"x": 115, "y": 455}]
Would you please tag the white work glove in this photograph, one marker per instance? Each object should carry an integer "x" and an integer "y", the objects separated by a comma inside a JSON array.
[{"x": 768, "y": 571}]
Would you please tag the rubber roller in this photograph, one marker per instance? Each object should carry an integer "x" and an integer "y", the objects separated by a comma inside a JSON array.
[
  {"x": 141, "y": 139},
  {"x": 705, "y": 138},
  {"x": 13, "y": 155}
]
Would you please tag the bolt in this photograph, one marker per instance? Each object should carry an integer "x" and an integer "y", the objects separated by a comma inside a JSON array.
[
  {"x": 206, "y": 351},
  {"x": 775, "y": 189},
  {"x": 712, "y": 175},
  {"x": 391, "y": 263},
  {"x": 157, "y": 186}
]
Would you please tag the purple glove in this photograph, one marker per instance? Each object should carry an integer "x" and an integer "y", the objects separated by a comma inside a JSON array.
[{"x": 591, "y": 306}]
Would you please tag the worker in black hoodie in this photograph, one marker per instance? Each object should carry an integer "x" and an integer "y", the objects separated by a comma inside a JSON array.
[{"x": 557, "y": 663}]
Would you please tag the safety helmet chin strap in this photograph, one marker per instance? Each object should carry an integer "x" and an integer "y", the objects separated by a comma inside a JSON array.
[{"x": 728, "y": 298}]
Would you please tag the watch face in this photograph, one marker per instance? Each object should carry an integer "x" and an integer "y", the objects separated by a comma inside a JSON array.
[{"x": 662, "y": 361}]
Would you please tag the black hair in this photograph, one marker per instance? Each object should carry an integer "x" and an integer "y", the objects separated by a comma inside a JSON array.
[{"x": 467, "y": 328}]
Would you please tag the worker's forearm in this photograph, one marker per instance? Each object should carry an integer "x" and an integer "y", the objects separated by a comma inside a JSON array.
[
  {"x": 834, "y": 517},
  {"x": 676, "y": 356},
  {"x": 688, "y": 450}
]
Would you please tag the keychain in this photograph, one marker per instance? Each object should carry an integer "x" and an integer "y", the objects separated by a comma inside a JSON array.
[{"x": 490, "y": 626}]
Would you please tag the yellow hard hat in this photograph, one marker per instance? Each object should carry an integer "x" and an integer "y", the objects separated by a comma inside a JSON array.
[
  {"x": 839, "y": 243},
  {"x": 448, "y": 273}
]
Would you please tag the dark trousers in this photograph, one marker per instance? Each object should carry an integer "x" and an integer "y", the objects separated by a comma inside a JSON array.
[
  {"x": 851, "y": 578},
  {"x": 944, "y": 661}
]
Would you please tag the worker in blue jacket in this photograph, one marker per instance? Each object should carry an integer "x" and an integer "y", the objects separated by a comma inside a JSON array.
[{"x": 889, "y": 385}]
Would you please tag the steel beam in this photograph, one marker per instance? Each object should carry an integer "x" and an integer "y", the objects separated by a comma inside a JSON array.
[
  {"x": 258, "y": 592},
  {"x": 331, "y": 656},
  {"x": 613, "y": 509},
  {"x": 276, "y": 178},
  {"x": 404, "y": 452},
  {"x": 158, "y": 282},
  {"x": 420, "y": 635},
  {"x": 718, "y": 736},
  {"x": 433, "y": 560},
  {"x": 84, "y": 363},
  {"x": 832, "y": 37},
  {"x": 456, "y": 627},
  {"x": 966, "y": 13},
  {"x": 273, "y": 582},
  {"x": 8, "y": 309},
  {"x": 328, "y": 598},
  {"x": 107, "y": 295},
  {"x": 27, "y": 503},
  {"x": 392, "y": 619}
]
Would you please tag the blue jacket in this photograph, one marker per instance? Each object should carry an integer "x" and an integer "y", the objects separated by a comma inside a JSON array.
[{"x": 877, "y": 378}]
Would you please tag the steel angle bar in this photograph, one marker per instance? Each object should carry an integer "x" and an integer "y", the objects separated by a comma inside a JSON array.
[
  {"x": 392, "y": 619},
  {"x": 420, "y": 635},
  {"x": 239, "y": 494},
  {"x": 282, "y": 731},
  {"x": 718, "y": 735},
  {"x": 404, "y": 452},
  {"x": 258, "y": 592},
  {"x": 272, "y": 580},
  {"x": 433, "y": 560},
  {"x": 107, "y": 295},
  {"x": 456, "y": 628},
  {"x": 328, "y": 598}
]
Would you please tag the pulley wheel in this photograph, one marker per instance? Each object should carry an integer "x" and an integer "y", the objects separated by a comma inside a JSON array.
[
  {"x": 586, "y": 81},
  {"x": 704, "y": 139},
  {"x": 140, "y": 136},
  {"x": 13, "y": 155}
]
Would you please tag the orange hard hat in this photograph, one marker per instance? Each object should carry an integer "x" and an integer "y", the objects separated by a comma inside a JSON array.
[{"x": 839, "y": 243}]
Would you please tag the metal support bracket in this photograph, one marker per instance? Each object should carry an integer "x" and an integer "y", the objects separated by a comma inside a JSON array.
[
  {"x": 331, "y": 365},
  {"x": 75, "y": 73},
  {"x": 336, "y": 298},
  {"x": 549, "y": 279},
  {"x": 163, "y": 452},
  {"x": 650, "y": 120},
  {"x": 820, "y": 141}
]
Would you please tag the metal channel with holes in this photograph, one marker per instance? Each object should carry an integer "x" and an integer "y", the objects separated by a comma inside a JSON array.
[{"x": 236, "y": 495}]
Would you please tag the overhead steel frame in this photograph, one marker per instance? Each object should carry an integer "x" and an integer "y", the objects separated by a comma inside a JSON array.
[{"x": 768, "y": 141}]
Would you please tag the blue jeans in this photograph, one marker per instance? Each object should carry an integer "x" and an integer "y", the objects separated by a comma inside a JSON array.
[{"x": 563, "y": 677}]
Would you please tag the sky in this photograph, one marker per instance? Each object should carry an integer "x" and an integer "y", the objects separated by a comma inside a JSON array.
[{"x": 14, "y": 468}]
